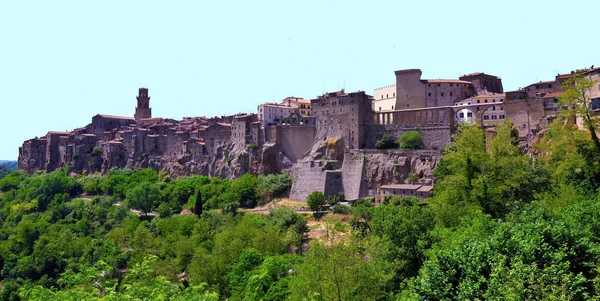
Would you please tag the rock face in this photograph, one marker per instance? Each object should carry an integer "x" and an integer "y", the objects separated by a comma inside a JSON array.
[
  {"x": 361, "y": 173},
  {"x": 391, "y": 167}
]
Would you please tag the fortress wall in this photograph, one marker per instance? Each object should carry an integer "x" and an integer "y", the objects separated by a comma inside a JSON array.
[
  {"x": 333, "y": 182},
  {"x": 433, "y": 137},
  {"x": 353, "y": 176},
  {"x": 516, "y": 112},
  {"x": 306, "y": 178},
  {"x": 295, "y": 141}
]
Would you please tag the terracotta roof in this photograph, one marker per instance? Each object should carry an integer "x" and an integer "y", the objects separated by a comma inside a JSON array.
[
  {"x": 242, "y": 116},
  {"x": 88, "y": 135},
  {"x": 115, "y": 142},
  {"x": 425, "y": 188},
  {"x": 278, "y": 106},
  {"x": 402, "y": 186},
  {"x": 553, "y": 95},
  {"x": 115, "y": 117},
  {"x": 223, "y": 124},
  {"x": 454, "y": 81}
]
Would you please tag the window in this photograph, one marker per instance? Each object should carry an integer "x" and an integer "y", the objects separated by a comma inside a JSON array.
[
  {"x": 469, "y": 114},
  {"x": 442, "y": 93},
  {"x": 494, "y": 108},
  {"x": 486, "y": 117},
  {"x": 451, "y": 94},
  {"x": 438, "y": 85},
  {"x": 387, "y": 96},
  {"x": 430, "y": 85},
  {"x": 394, "y": 94},
  {"x": 392, "y": 108},
  {"x": 485, "y": 101},
  {"x": 429, "y": 94},
  {"x": 550, "y": 86},
  {"x": 450, "y": 85},
  {"x": 381, "y": 96},
  {"x": 379, "y": 108},
  {"x": 501, "y": 116},
  {"x": 478, "y": 101},
  {"x": 494, "y": 117},
  {"x": 461, "y": 115}
]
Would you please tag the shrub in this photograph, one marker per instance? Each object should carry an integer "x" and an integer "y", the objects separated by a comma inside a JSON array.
[
  {"x": 96, "y": 151},
  {"x": 315, "y": 200},
  {"x": 164, "y": 210},
  {"x": 410, "y": 140},
  {"x": 273, "y": 185},
  {"x": 411, "y": 178},
  {"x": 386, "y": 142},
  {"x": 341, "y": 209},
  {"x": 334, "y": 199},
  {"x": 252, "y": 146}
]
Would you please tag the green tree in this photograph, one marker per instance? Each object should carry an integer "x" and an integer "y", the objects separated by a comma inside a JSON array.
[
  {"x": 386, "y": 142},
  {"x": 315, "y": 200},
  {"x": 198, "y": 205},
  {"x": 143, "y": 197},
  {"x": 410, "y": 140},
  {"x": 576, "y": 102}
]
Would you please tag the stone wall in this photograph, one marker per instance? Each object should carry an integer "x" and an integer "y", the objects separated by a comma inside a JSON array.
[
  {"x": 517, "y": 113},
  {"x": 295, "y": 141},
  {"x": 354, "y": 184},
  {"x": 307, "y": 177},
  {"x": 433, "y": 137}
]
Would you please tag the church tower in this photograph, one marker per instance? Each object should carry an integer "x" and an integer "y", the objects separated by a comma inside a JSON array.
[{"x": 143, "y": 110}]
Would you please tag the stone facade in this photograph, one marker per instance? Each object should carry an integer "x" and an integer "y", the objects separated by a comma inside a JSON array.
[
  {"x": 143, "y": 110},
  {"x": 344, "y": 115}
]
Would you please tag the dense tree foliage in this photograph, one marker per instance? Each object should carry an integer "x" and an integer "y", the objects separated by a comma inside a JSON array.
[
  {"x": 410, "y": 140},
  {"x": 501, "y": 225}
]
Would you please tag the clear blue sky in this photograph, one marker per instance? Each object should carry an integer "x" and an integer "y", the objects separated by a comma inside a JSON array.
[{"x": 61, "y": 62}]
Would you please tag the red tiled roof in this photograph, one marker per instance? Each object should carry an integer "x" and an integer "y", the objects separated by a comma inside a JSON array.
[
  {"x": 401, "y": 186},
  {"x": 553, "y": 95}
]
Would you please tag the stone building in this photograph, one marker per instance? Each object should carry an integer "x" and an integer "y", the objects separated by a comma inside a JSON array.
[
  {"x": 384, "y": 98},
  {"x": 414, "y": 92},
  {"x": 484, "y": 83},
  {"x": 406, "y": 190},
  {"x": 143, "y": 110},
  {"x": 271, "y": 113},
  {"x": 343, "y": 115}
]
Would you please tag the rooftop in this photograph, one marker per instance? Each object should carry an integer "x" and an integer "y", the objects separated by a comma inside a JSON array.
[
  {"x": 402, "y": 186},
  {"x": 115, "y": 117}
]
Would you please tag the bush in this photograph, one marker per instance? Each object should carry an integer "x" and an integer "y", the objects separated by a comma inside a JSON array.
[
  {"x": 334, "y": 199},
  {"x": 273, "y": 185},
  {"x": 96, "y": 151},
  {"x": 252, "y": 146},
  {"x": 315, "y": 200},
  {"x": 410, "y": 140},
  {"x": 386, "y": 142},
  {"x": 164, "y": 210},
  {"x": 341, "y": 209}
]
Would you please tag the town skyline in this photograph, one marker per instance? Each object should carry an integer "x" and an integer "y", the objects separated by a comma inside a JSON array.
[{"x": 67, "y": 66}]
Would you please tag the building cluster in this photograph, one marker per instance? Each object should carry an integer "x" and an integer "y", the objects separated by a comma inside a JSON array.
[{"x": 296, "y": 125}]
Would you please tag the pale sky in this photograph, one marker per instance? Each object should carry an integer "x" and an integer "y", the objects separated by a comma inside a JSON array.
[{"x": 62, "y": 62}]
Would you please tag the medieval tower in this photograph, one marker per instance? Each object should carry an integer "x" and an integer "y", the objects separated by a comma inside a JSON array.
[{"x": 143, "y": 110}]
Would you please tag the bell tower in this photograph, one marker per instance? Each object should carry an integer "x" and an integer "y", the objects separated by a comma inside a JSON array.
[{"x": 143, "y": 110}]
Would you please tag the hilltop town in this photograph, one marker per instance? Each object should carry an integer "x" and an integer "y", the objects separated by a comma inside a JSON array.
[{"x": 327, "y": 143}]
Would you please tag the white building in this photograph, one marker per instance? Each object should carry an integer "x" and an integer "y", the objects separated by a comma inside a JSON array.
[{"x": 269, "y": 113}]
